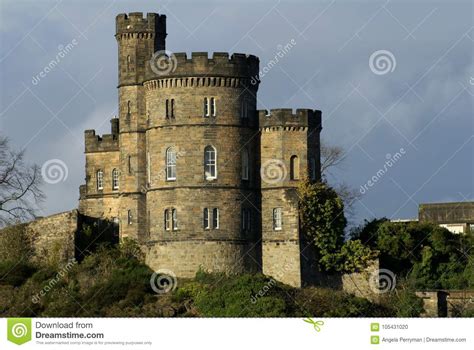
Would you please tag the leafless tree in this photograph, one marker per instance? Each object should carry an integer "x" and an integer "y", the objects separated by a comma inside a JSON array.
[
  {"x": 332, "y": 157},
  {"x": 20, "y": 183}
]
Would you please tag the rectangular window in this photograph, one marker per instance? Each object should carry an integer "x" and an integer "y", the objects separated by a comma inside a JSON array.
[
  {"x": 167, "y": 219},
  {"x": 206, "y": 107},
  {"x": 100, "y": 180},
  {"x": 206, "y": 219},
  {"x": 213, "y": 106},
  {"x": 170, "y": 164},
  {"x": 130, "y": 217},
  {"x": 215, "y": 218},
  {"x": 115, "y": 179},
  {"x": 277, "y": 219},
  {"x": 245, "y": 219},
  {"x": 313, "y": 169},
  {"x": 172, "y": 108},
  {"x": 148, "y": 167},
  {"x": 167, "y": 109},
  {"x": 244, "y": 110},
  {"x": 210, "y": 163},
  {"x": 175, "y": 219}
]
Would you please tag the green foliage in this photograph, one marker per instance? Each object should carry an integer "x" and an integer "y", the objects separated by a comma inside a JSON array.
[
  {"x": 241, "y": 296},
  {"x": 429, "y": 256},
  {"x": 354, "y": 257},
  {"x": 15, "y": 273},
  {"x": 403, "y": 301},
  {"x": 323, "y": 302},
  {"x": 14, "y": 244},
  {"x": 322, "y": 221}
]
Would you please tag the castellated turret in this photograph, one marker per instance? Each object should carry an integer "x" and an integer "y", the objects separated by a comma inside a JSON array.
[{"x": 185, "y": 170}]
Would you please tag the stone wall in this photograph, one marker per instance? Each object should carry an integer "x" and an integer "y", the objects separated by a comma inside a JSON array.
[
  {"x": 446, "y": 303},
  {"x": 185, "y": 258},
  {"x": 361, "y": 284},
  {"x": 52, "y": 237}
]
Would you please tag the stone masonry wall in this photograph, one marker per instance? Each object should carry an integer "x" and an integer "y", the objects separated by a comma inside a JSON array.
[{"x": 52, "y": 237}]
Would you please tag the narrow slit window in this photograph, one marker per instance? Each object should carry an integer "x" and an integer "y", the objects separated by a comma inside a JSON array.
[
  {"x": 215, "y": 218},
  {"x": 206, "y": 219},
  {"x": 277, "y": 222}
]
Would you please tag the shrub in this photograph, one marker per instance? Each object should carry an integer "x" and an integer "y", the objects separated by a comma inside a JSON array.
[{"x": 15, "y": 273}]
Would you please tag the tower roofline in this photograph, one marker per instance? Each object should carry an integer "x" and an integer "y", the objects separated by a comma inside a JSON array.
[
  {"x": 286, "y": 117},
  {"x": 199, "y": 64}
]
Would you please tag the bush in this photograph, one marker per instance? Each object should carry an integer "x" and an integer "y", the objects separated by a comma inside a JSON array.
[
  {"x": 15, "y": 273},
  {"x": 241, "y": 296}
]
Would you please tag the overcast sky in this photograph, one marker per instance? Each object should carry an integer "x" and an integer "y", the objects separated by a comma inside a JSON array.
[{"x": 420, "y": 104}]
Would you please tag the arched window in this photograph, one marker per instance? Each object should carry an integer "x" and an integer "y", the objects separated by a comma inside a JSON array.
[
  {"x": 206, "y": 107},
  {"x": 100, "y": 180},
  {"x": 115, "y": 179},
  {"x": 277, "y": 221},
  {"x": 210, "y": 163},
  {"x": 170, "y": 164},
  {"x": 129, "y": 164},
  {"x": 129, "y": 61},
  {"x": 129, "y": 107},
  {"x": 245, "y": 164},
  {"x": 294, "y": 168}
]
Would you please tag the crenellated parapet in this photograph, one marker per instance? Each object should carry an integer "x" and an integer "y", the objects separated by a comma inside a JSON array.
[
  {"x": 238, "y": 67},
  {"x": 104, "y": 143},
  {"x": 285, "y": 118},
  {"x": 134, "y": 24}
]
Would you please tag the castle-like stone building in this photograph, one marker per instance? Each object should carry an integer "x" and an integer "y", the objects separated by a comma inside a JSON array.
[{"x": 192, "y": 170}]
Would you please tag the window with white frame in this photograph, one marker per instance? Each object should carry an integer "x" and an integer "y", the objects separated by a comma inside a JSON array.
[
  {"x": 206, "y": 107},
  {"x": 210, "y": 163},
  {"x": 245, "y": 164},
  {"x": 206, "y": 221},
  {"x": 215, "y": 218},
  {"x": 209, "y": 107},
  {"x": 213, "y": 106},
  {"x": 115, "y": 179},
  {"x": 170, "y": 164},
  {"x": 294, "y": 168},
  {"x": 169, "y": 108},
  {"x": 174, "y": 217},
  {"x": 167, "y": 219},
  {"x": 100, "y": 180},
  {"x": 277, "y": 222}
]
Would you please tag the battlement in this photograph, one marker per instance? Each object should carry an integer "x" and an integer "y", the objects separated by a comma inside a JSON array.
[
  {"x": 284, "y": 117},
  {"x": 134, "y": 22},
  {"x": 221, "y": 64},
  {"x": 104, "y": 143}
]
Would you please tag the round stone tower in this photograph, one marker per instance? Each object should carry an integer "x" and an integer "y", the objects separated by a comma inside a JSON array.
[
  {"x": 138, "y": 37},
  {"x": 202, "y": 150}
]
